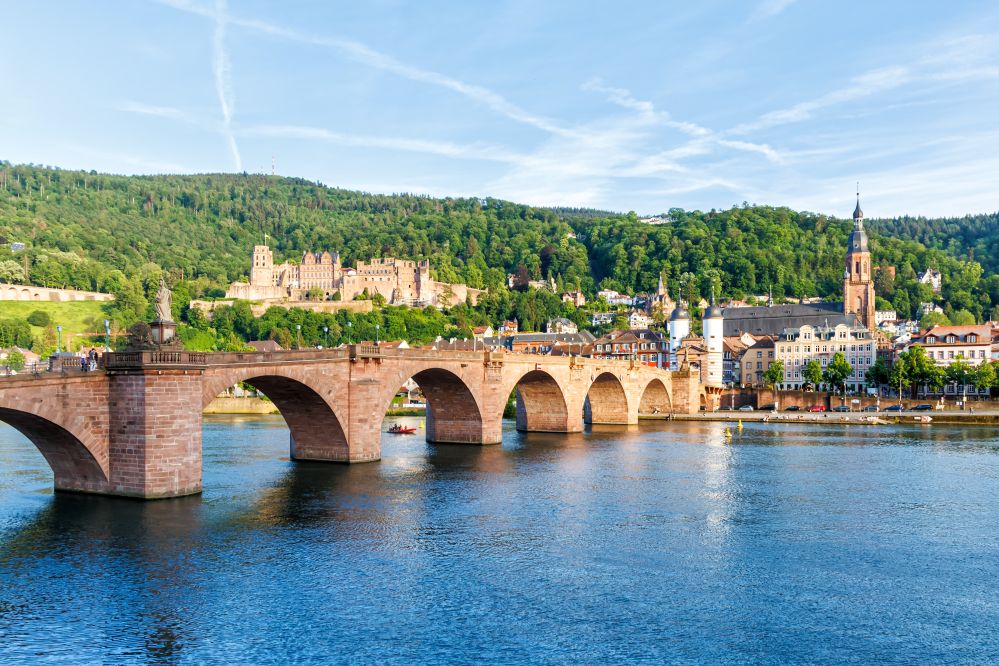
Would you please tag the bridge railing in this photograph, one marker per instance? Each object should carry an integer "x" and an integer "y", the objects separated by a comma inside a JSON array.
[
  {"x": 283, "y": 356},
  {"x": 132, "y": 359}
]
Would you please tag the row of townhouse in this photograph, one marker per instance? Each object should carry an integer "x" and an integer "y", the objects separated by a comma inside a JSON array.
[
  {"x": 648, "y": 347},
  {"x": 973, "y": 345}
]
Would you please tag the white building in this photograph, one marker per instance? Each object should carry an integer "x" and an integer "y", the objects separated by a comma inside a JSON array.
[
  {"x": 561, "y": 325},
  {"x": 932, "y": 277},
  {"x": 638, "y": 320},
  {"x": 795, "y": 347},
  {"x": 927, "y": 308},
  {"x": 947, "y": 344},
  {"x": 602, "y": 318},
  {"x": 614, "y": 298},
  {"x": 885, "y": 317}
]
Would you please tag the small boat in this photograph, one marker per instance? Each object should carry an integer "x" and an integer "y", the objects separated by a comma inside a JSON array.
[
  {"x": 401, "y": 430},
  {"x": 924, "y": 419}
]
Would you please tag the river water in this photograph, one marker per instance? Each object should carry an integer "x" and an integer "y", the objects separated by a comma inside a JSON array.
[{"x": 658, "y": 543}]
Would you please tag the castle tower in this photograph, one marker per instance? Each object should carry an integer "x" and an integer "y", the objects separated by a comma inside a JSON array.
[
  {"x": 858, "y": 285},
  {"x": 713, "y": 340},
  {"x": 262, "y": 268},
  {"x": 679, "y": 328}
]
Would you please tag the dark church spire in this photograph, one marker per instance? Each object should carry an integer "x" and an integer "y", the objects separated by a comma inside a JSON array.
[{"x": 858, "y": 215}]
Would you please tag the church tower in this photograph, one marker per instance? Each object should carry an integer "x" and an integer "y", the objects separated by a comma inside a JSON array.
[{"x": 858, "y": 285}]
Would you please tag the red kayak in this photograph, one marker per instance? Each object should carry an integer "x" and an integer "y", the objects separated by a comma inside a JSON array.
[{"x": 400, "y": 430}]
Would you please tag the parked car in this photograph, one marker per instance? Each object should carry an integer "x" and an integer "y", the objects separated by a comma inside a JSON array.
[
  {"x": 792, "y": 408},
  {"x": 746, "y": 408},
  {"x": 817, "y": 408},
  {"x": 871, "y": 408},
  {"x": 841, "y": 408},
  {"x": 895, "y": 408},
  {"x": 922, "y": 408}
]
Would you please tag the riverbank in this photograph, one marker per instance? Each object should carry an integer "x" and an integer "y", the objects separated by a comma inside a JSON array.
[
  {"x": 990, "y": 417},
  {"x": 249, "y": 405}
]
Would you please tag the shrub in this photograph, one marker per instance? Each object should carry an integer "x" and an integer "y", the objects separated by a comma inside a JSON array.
[{"x": 39, "y": 318}]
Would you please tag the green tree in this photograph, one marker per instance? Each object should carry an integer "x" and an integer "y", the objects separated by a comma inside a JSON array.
[
  {"x": 914, "y": 368},
  {"x": 878, "y": 373},
  {"x": 15, "y": 361},
  {"x": 985, "y": 375},
  {"x": 959, "y": 372},
  {"x": 837, "y": 372},
  {"x": 931, "y": 319},
  {"x": 774, "y": 374},
  {"x": 812, "y": 374},
  {"x": 11, "y": 271},
  {"x": 963, "y": 318}
]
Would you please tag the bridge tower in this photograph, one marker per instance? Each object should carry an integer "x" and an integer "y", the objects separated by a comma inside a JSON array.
[
  {"x": 679, "y": 328},
  {"x": 713, "y": 340}
]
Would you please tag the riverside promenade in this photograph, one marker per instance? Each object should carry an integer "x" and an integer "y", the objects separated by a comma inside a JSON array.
[{"x": 984, "y": 417}]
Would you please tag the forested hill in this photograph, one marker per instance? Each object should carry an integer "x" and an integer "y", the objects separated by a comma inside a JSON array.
[
  {"x": 973, "y": 236},
  {"x": 96, "y": 231}
]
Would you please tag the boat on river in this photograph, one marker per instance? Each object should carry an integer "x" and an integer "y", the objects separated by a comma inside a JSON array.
[{"x": 397, "y": 429}]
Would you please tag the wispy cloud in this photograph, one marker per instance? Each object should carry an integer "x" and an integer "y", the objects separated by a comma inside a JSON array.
[
  {"x": 223, "y": 81},
  {"x": 770, "y": 8},
  {"x": 472, "y": 151},
  {"x": 366, "y": 55},
  {"x": 646, "y": 109},
  {"x": 870, "y": 83},
  {"x": 131, "y": 106}
]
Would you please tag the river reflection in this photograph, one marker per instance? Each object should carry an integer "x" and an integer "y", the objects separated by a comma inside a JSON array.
[{"x": 663, "y": 542}]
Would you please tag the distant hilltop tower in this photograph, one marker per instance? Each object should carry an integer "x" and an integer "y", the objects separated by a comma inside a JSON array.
[
  {"x": 679, "y": 328},
  {"x": 714, "y": 323},
  {"x": 858, "y": 287},
  {"x": 262, "y": 268}
]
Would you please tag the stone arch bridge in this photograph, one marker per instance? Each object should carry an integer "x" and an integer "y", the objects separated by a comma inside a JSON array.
[{"x": 134, "y": 429}]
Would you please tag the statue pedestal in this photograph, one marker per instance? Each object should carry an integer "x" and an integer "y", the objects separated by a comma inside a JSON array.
[{"x": 163, "y": 331}]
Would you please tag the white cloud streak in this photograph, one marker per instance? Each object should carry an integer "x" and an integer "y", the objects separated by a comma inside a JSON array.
[
  {"x": 169, "y": 112},
  {"x": 771, "y": 8},
  {"x": 223, "y": 81},
  {"x": 473, "y": 151},
  {"x": 368, "y": 56}
]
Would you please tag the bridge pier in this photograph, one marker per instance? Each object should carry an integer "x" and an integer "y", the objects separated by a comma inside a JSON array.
[{"x": 155, "y": 432}]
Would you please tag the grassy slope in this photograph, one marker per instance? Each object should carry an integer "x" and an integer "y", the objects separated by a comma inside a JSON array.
[{"x": 74, "y": 317}]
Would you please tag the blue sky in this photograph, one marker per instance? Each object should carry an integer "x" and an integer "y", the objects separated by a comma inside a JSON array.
[{"x": 624, "y": 106}]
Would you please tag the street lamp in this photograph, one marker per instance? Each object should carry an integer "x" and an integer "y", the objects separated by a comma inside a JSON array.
[
  {"x": 326, "y": 333},
  {"x": 350, "y": 326},
  {"x": 107, "y": 335},
  {"x": 298, "y": 329},
  {"x": 377, "y": 326},
  {"x": 58, "y": 339}
]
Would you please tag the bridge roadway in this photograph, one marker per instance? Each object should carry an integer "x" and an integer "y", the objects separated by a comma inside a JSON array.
[{"x": 134, "y": 427}]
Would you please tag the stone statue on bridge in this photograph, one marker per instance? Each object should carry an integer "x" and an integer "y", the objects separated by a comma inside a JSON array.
[{"x": 164, "y": 298}]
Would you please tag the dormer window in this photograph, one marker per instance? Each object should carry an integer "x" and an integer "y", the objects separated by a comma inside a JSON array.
[
  {"x": 931, "y": 339},
  {"x": 951, "y": 339},
  {"x": 972, "y": 338}
]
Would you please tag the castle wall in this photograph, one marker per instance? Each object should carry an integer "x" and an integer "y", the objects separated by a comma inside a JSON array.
[
  {"x": 398, "y": 281},
  {"x": 22, "y": 292}
]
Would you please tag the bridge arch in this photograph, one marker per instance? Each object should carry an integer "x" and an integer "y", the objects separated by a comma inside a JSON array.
[
  {"x": 607, "y": 401},
  {"x": 79, "y": 463},
  {"x": 317, "y": 431},
  {"x": 541, "y": 403},
  {"x": 454, "y": 415},
  {"x": 655, "y": 399}
]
